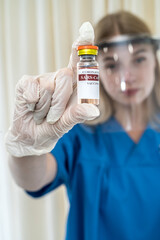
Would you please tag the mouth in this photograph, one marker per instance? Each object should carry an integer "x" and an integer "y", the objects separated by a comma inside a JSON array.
[{"x": 131, "y": 92}]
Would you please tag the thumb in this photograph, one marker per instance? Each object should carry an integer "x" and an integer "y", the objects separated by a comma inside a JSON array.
[
  {"x": 82, "y": 112},
  {"x": 76, "y": 114},
  {"x": 86, "y": 37}
]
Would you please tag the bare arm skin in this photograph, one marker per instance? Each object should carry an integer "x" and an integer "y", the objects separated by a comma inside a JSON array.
[{"x": 33, "y": 172}]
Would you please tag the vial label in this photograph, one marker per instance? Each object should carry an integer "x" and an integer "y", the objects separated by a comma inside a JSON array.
[{"x": 88, "y": 83}]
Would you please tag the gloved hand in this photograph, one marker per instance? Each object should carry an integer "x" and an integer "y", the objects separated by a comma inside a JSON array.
[{"x": 46, "y": 107}]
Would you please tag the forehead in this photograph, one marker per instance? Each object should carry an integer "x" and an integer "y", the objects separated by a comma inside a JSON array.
[{"x": 130, "y": 49}]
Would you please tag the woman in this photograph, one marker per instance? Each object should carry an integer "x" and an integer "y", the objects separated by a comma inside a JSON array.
[{"x": 110, "y": 170}]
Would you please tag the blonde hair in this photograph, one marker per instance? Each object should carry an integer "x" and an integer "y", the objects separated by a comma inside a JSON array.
[{"x": 121, "y": 22}]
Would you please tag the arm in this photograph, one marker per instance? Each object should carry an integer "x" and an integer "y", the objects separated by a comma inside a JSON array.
[
  {"x": 45, "y": 109},
  {"x": 33, "y": 172}
]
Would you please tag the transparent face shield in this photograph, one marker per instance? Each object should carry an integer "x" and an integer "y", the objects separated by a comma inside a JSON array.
[{"x": 129, "y": 75}]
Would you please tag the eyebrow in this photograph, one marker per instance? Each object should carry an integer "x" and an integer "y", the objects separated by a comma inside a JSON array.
[
  {"x": 140, "y": 51},
  {"x": 109, "y": 58}
]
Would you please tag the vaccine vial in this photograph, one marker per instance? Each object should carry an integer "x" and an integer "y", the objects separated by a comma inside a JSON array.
[{"x": 88, "y": 75}]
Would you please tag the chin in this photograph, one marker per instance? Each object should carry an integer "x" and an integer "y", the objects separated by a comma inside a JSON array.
[{"x": 130, "y": 101}]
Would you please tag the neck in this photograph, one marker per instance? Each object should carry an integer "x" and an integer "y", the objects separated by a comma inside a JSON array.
[{"x": 131, "y": 117}]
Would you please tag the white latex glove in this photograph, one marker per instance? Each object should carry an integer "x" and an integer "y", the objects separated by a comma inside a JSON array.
[{"x": 46, "y": 106}]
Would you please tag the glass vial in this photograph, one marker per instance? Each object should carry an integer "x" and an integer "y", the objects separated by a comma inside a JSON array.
[{"x": 88, "y": 75}]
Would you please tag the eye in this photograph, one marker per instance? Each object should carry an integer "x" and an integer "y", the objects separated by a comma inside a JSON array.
[
  {"x": 111, "y": 66},
  {"x": 140, "y": 59}
]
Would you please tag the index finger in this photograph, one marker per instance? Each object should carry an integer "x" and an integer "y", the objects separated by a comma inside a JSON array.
[
  {"x": 86, "y": 37},
  {"x": 62, "y": 93}
]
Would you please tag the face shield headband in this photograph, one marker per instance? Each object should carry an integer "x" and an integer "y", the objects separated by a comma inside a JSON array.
[{"x": 129, "y": 39}]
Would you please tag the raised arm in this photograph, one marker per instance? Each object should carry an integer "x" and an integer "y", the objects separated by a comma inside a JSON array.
[{"x": 45, "y": 108}]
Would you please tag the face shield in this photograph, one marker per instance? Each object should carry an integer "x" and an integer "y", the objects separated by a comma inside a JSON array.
[{"x": 129, "y": 75}]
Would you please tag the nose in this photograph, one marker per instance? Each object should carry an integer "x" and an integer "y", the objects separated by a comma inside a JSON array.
[{"x": 128, "y": 76}]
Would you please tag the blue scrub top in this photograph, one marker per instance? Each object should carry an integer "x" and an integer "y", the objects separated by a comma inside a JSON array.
[{"x": 113, "y": 184}]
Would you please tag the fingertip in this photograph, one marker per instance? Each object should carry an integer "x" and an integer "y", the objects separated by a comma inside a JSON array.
[
  {"x": 83, "y": 112},
  {"x": 31, "y": 106},
  {"x": 86, "y": 33},
  {"x": 91, "y": 110},
  {"x": 54, "y": 114}
]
